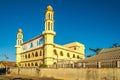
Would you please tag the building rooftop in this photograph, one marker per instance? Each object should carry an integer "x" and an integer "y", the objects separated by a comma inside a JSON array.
[
  {"x": 112, "y": 54},
  {"x": 8, "y": 63}
]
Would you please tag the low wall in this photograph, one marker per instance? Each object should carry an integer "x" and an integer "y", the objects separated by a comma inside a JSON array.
[{"x": 72, "y": 74}]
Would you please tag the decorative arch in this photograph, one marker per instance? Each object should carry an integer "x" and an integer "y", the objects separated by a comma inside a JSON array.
[
  {"x": 61, "y": 53},
  {"x": 31, "y": 45},
  {"x": 36, "y": 64},
  {"x": 26, "y": 56},
  {"x": 78, "y": 57},
  {"x": 40, "y": 53},
  {"x": 32, "y": 64},
  {"x": 36, "y": 54},
  {"x": 68, "y": 55},
  {"x": 55, "y": 52},
  {"x": 28, "y": 64},
  {"x": 29, "y": 55},
  {"x": 73, "y": 55},
  {"x": 25, "y": 64},
  {"x": 32, "y": 54},
  {"x": 49, "y": 15}
]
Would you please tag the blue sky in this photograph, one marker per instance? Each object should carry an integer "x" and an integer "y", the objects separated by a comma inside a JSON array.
[{"x": 95, "y": 23}]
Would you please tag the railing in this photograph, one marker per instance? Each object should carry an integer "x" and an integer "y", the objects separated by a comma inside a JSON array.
[{"x": 100, "y": 64}]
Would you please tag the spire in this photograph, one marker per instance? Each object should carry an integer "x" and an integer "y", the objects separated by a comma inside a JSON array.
[
  {"x": 19, "y": 40},
  {"x": 49, "y": 8},
  {"x": 49, "y": 19}
]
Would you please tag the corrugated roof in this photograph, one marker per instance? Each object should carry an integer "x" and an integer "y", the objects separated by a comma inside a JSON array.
[
  {"x": 104, "y": 55},
  {"x": 8, "y": 63}
]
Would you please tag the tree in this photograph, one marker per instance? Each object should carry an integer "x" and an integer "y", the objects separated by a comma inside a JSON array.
[
  {"x": 97, "y": 50},
  {"x": 114, "y": 45}
]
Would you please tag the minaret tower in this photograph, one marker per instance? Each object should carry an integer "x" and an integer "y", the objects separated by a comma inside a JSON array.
[
  {"x": 18, "y": 46},
  {"x": 48, "y": 34}
]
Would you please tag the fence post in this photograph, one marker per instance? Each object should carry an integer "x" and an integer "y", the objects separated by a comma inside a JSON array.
[
  {"x": 84, "y": 65},
  {"x": 118, "y": 64},
  {"x": 99, "y": 64},
  {"x": 73, "y": 65}
]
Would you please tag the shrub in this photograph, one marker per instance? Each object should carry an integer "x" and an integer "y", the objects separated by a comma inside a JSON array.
[{"x": 43, "y": 66}]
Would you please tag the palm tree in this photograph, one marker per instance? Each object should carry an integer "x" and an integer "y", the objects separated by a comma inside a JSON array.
[
  {"x": 114, "y": 45},
  {"x": 97, "y": 50}
]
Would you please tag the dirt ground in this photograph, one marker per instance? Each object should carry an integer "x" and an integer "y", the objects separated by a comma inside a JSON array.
[{"x": 21, "y": 77}]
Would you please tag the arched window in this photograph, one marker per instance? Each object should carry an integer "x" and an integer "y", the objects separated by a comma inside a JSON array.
[
  {"x": 51, "y": 27},
  {"x": 78, "y": 57},
  {"x": 32, "y": 54},
  {"x": 73, "y": 55},
  {"x": 28, "y": 64},
  {"x": 25, "y": 56},
  {"x": 36, "y": 54},
  {"x": 31, "y": 45},
  {"x": 36, "y": 64},
  {"x": 51, "y": 16},
  {"x": 48, "y": 25},
  {"x": 48, "y": 15},
  {"x": 28, "y": 55},
  {"x": 25, "y": 64},
  {"x": 61, "y": 53},
  {"x": 68, "y": 55},
  {"x": 37, "y": 42},
  {"x": 32, "y": 64},
  {"x": 55, "y": 52},
  {"x": 40, "y": 53}
]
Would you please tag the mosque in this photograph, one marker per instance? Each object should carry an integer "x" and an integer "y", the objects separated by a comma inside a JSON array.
[{"x": 43, "y": 50}]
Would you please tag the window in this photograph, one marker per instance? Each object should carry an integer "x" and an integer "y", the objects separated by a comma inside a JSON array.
[
  {"x": 68, "y": 55},
  {"x": 74, "y": 48},
  {"x": 25, "y": 64},
  {"x": 78, "y": 57},
  {"x": 32, "y": 54},
  {"x": 73, "y": 55},
  {"x": 32, "y": 64},
  {"x": 61, "y": 53},
  {"x": 25, "y": 56},
  {"x": 49, "y": 15},
  {"x": 48, "y": 25},
  {"x": 31, "y": 45},
  {"x": 36, "y": 54},
  {"x": 40, "y": 53},
  {"x": 37, "y": 42},
  {"x": 55, "y": 52},
  {"x": 36, "y": 64},
  {"x": 28, "y": 64},
  {"x": 28, "y": 55}
]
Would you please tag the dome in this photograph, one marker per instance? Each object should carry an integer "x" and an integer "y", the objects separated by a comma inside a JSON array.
[
  {"x": 20, "y": 31},
  {"x": 49, "y": 8}
]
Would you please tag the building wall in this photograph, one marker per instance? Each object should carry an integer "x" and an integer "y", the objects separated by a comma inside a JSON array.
[
  {"x": 45, "y": 43},
  {"x": 72, "y": 74},
  {"x": 32, "y": 58},
  {"x": 63, "y": 53}
]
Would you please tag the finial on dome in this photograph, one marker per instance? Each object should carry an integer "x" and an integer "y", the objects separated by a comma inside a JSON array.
[
  {"x": 49, "y": 8},
  {"x": 20, "y": 31}
]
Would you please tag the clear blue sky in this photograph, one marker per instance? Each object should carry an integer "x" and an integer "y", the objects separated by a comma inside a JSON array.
[{"x": 95, "y": 23}]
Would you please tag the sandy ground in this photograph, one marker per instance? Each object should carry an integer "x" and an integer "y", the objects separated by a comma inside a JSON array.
[{"x": 21, "y": 77}]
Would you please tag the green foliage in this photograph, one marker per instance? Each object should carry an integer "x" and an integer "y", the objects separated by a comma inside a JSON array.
[
  {"x": 97, "y": 50},
  {"x": 43, "y": 66},
  {"x": 114, "y": 45}
]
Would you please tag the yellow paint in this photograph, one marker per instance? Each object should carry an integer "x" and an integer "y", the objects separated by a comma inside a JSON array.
[{"x": 48, "y": 52}]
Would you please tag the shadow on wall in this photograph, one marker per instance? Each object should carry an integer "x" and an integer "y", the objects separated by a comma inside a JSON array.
[{"x": 43, "y": 78}]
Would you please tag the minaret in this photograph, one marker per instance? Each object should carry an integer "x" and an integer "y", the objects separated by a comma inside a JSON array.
[
  {"x": 48, "y": 34},
  {"x": 18, "y": 46}
]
